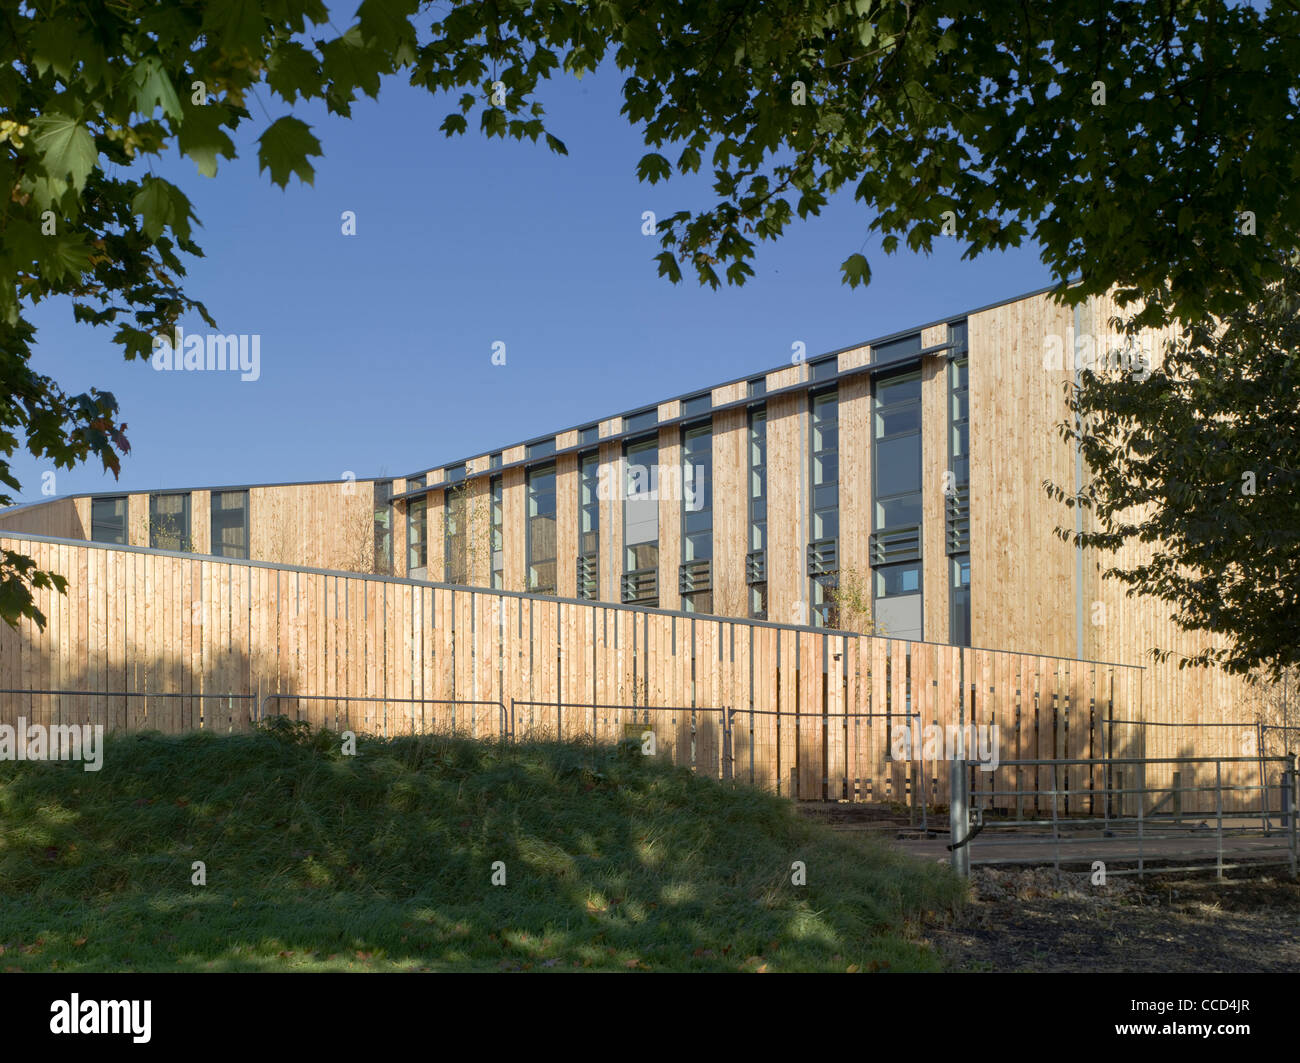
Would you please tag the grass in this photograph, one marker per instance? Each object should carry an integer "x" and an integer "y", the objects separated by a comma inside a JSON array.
[{"x": 384, "y": 861}]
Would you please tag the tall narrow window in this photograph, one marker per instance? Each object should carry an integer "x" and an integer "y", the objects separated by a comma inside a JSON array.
[
  {"x": 696, "y": 573},
  {"x": 641, "y": 524},
  {"x": 230, "y": 524},
  {"x": 589, "y": 526},
  {"x": 383, "y": 527},
  {"x": 541, "y": 530},
  {"x": 417, "y": 531},
  {"x": 108, "y": 520},
  {"x": 896, "y": 483},
  {"x": 498, "y": 537},
  {"x": 957, "y": 491},
  {"x": 756, "y": 558},
  {"x": 169, "y": 522},
  {"x": 824, "y": 533}
]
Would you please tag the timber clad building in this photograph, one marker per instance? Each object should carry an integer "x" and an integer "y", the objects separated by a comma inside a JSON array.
[{"x": 891, "y": 488}]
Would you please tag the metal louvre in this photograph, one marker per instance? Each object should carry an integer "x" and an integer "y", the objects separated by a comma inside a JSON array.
[
  {"x": 823, "y": 558},
  {"x": 901, "y": 544},
  {"x": 588, "y": 579},
  {"x": 695, "y": 576},
  {"x": 756, "y": 567},
  {"x": 641, "y": 585},
  {"x": 957, "y": 511}
]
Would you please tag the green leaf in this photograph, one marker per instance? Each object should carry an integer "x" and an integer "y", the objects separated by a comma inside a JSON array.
[
  {"x": 154, "y": 87},
  {"x": 154, "y": 205},
  {"x": 856, "y": 270},
  {"x": 653, "y": 168},
  {"x": 202, "y": 138},
  {"x": 284, "y": 149},
  {"x": 65, "y": 148}
]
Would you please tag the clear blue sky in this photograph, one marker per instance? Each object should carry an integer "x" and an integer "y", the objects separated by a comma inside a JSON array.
[{"x": 376, "y": 349}]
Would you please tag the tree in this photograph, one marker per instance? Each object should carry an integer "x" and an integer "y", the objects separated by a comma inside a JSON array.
[
  {"x": 1149, "y": 145},
  {"x": 1197, "y": 460}
]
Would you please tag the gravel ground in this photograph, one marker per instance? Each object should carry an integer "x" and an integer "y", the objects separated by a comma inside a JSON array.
[{"x": 1024, "y": 920}]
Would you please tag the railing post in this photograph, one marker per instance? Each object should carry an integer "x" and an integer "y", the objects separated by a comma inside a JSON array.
[
  {"x": 1218, "y": 811},
  {"x": 959, "y": 817},
  {"x": 1291, "y": 787}
]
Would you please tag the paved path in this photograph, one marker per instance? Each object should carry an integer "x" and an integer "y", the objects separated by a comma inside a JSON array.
[{"x": 999, "y": 845}]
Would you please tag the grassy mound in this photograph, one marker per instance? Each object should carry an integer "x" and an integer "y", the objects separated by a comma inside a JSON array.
[{"x": 385, "y": 861}]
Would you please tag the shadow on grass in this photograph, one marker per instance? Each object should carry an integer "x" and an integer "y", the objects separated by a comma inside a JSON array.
[{"x": 433, "y": 852}]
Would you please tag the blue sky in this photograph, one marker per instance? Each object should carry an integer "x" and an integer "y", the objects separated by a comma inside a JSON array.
[{"x": 376, "y": 348}]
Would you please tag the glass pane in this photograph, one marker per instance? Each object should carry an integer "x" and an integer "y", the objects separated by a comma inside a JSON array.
[
  {"x": 895, "y": 419},
  {"x": 898, "y": 512},
  {"x": 898, "y": 465},
  {"x": 898, "y": 389}
]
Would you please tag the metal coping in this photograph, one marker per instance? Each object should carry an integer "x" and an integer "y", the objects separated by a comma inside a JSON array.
[
  {"x": 493, "y": 592},
  {"x": 628, "y": 436},
  {"x": 878, "y": 341}
]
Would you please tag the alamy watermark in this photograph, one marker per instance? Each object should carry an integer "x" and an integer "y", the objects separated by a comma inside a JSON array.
[
  {"x": 977, "y": 743},
  {"x": 60, "y": 742},
  {"x": 240, "y": 353},
  {"x": 650, "y": 483}
]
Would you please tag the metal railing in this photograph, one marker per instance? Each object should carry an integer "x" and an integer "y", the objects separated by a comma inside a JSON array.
[
  {"x": 386, "y": 701},
  {"x": 689, "y": 713},
  {"x": 917, "y": 805},
  {"x": 1141, "y": 839},
  {"x": 228, "y": 698}
]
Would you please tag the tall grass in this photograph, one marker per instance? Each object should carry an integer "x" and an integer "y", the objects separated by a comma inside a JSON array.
[{"x": 385, "y": 861}]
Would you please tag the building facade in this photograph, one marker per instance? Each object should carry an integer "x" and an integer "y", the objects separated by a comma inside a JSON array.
[{"x": 892, "y": 487}]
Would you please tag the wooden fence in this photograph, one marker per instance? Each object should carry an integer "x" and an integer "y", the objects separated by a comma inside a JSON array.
[{"x": 811, "y": 714}]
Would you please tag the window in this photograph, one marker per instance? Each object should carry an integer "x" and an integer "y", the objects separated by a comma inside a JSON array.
[
  {"x": 544, "y": 449},
  {"x": 700, "y": 404},
  {"x": 417, "y": 531},
  {"x": 959, "y": 602},
  {"x": 897, "y": 512},
  {"x": 541, "y": 530},
  {"x": 638, "y": 421},
  {"x": 169, "y": 522},
  {"x": 695, "y": 579},
  {"x": 108, "y": 520},
  {"x": 824, "y": 368},
  {"x": 230, "y": 524},
  {"x": 498, "y": 535},
  {"x": 641, "y": 524},
  {"x": 383, "y": 527},
  {"x": 589, "y": 435},
  {"x": 756, "y": 559},
  {"x": 824, "y": 533},
  {"x": 589, "y": 526}
]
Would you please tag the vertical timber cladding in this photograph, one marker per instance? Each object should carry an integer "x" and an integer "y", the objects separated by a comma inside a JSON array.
[
  {"x": 787, "y": 501},
  {"x": 855, "y": 475},
  {"x": 612, "y": 486},
  {"x": 1022, "y": 576},
  {"x": 124, "y": 626},
  {"x": 935, "y": 575},
  {"x": 566, "y": 517},
  {"x": 1126, "y": 629},
  {"x": 669, "y": 479},
  {"x": 730, "y": 502},
  {"x": 66, "y": 518},
  {"x": 514, "y": 522},
  {"x": 478, "y": 525}
]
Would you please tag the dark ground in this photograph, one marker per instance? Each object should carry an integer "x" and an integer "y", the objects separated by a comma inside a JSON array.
[
  {"x": 1022, "y": 920},
  {"x": 1027, "y": 920}
]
